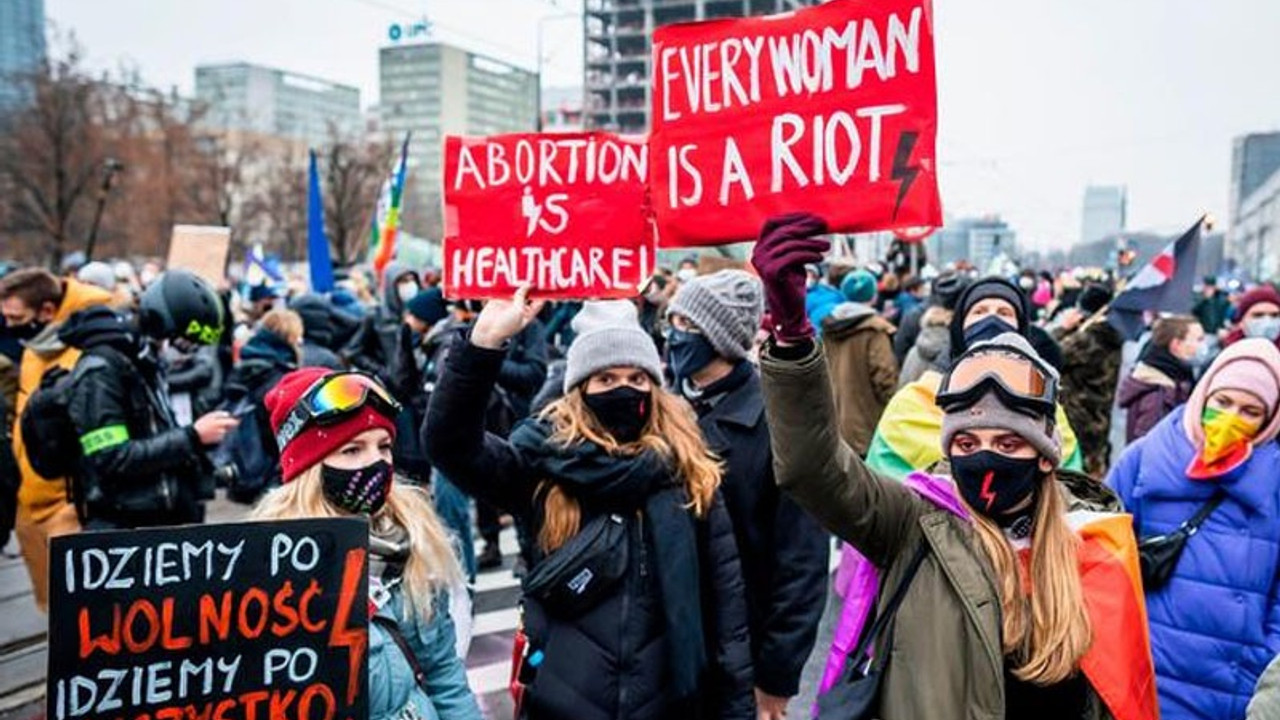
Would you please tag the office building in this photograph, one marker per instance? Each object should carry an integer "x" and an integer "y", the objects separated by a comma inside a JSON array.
[
  {"x": 1104, "y": 212},
  {"x": 1254, "y": 159},
  {"x": 1253, "y": 243},
  {"x": 22, "y": 48},
  {"x": 617, "y": 65},
  {"x": 264, "y": 100},
  {"x": 432, "y": 89},
  {"x": 977, "y": 241}
]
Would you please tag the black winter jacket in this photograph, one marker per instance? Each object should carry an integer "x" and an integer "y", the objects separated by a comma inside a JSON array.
[
  {"x": 611, "y": 662},
  {"x": 785, "y": 553},
  {"x": 373, "y": 346},
  {"x": 140, "y": 468}
]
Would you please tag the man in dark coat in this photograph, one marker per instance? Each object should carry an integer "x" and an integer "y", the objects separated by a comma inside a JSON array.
[
  {"x": 325, "y": 331},
  {"x": 373, "y": 347},
  {"x": 784, "y": 552}
]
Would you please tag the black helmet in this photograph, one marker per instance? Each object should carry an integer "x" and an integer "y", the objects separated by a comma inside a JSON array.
[{"x": 179, "y": 304}]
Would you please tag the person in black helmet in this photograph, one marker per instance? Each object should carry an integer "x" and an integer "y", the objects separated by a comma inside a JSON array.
[{"x": 139, "y": 467}]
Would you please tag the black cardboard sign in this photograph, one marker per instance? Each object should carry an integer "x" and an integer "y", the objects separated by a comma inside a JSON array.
[{"x": 247, "y": 621}]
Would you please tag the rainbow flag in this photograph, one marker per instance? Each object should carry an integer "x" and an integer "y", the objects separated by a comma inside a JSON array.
[{"x": 386, "y": 219}]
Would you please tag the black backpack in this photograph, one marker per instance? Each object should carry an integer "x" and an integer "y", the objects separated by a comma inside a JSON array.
[
  {"x": 242, "y": 459},
  {"x": 48, "y": 434}
]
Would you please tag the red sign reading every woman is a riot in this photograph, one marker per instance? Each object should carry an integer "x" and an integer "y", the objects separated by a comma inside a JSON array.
[
  {"x": 830, "y": 110},
  {"x": 564, "y": 213}
]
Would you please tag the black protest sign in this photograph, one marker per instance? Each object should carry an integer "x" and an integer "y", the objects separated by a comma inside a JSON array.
[{"x": 251, "y": 621}]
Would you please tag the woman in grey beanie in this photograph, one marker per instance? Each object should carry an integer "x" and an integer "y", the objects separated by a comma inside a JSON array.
[{"x": 635, "y": 554}]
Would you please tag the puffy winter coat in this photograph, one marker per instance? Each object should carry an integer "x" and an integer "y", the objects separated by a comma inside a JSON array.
[
  {"x": 1148, "y": 395},
  {"x": 140, "y": 468},
  {"x": 1216, "y": 624},
  {"x": 859, "y": 346},
  {"x": 785, "y": 553},
  {"x": 393, "y": 691},
  {"x": 611, "y": 662}
]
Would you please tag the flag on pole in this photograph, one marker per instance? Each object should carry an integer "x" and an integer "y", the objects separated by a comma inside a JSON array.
[
  {"x": 386, "y": 219},
  {"x": 317, "y": 243},
  {"x": 1164, "y": 285},
  {"x": 262, "y": 269}
]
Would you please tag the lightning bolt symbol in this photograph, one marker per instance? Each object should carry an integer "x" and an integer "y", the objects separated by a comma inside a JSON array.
[
  {"x": 340, "y": 634},
  {"x": 987, "y": 493},
  {"x": 533, "y": 214},
  {"x": 902, "y": 169}
]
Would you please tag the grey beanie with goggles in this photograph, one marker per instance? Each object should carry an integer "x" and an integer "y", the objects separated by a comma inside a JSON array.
[{"x": 991, "y": 412}]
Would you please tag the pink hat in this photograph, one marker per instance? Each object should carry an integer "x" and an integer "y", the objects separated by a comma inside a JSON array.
[{"x": 1251, "y": 365}]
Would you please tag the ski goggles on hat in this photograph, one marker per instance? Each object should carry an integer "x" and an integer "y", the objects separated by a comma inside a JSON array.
[
  {"x": 1022, "y": 382},
  {"x": 333, "y": 398}
]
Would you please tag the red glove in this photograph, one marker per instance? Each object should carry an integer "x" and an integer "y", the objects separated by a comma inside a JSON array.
[{"x": 786, "y": 246}]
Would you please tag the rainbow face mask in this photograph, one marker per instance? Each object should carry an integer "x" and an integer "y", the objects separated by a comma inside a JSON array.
[{"x": 1228, "y": 443}]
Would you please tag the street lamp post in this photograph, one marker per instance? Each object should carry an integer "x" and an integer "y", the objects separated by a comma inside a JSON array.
[{"x": 110, "y": 167}]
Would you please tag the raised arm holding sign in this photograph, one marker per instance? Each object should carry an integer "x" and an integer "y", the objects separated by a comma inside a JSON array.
[{"x": 830, "y": 110}]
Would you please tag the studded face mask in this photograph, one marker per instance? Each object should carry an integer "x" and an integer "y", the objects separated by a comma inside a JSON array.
[{"x": 362, "y": 491}]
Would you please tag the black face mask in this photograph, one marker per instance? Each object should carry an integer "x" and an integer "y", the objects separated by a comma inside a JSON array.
[
  {"x": 687, "y": 352},
  {"x": 988, "y": 328},
  {"x": 27, "y": 331},
  {"x": 362, "y": 491},
  {"x": 622, "y": 411},
  {"x": 993, "y": 484}
]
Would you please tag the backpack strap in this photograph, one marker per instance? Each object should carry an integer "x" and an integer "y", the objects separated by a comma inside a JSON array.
[
  {"x": 1192, "y": 525},
  {"x": 392, "y": 628}
]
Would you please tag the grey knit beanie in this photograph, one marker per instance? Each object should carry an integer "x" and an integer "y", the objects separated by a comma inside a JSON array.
[
  {"x": 990, "y": 412},
  {"x": 609, "y": 335},
  {"x": 726, "y": 306}
]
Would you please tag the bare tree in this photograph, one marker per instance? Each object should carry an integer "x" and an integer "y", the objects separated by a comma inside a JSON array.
[
  {"x": 352, "y": 175},
  {"x": 281, "y": 206},
  {"x": 52, "y": 153}
]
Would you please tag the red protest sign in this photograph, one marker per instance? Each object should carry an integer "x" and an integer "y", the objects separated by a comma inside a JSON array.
[
  {"x": 562, "y": 212},
  {"x": 830, "y": 109}
]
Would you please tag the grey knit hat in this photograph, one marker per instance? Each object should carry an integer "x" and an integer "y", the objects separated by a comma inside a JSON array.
[
  {"x": 609, "y": 335},
  {"x": 726, "y": 306},
  {"x": 990, "y": 412}
]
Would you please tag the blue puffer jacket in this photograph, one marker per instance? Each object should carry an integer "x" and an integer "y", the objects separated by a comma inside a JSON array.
[
  {"x": 1216, "y": 624},
  {"x": 393, "y": 694}
]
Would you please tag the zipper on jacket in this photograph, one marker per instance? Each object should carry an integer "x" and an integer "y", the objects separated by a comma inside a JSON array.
[{"x": 624, "y": 656}]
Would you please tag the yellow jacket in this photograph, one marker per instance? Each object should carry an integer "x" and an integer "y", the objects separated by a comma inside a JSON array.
[{"x": 39, "y": 498}]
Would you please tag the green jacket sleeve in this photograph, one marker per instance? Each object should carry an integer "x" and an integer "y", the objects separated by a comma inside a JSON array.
[{"x": 810, "y": 461}]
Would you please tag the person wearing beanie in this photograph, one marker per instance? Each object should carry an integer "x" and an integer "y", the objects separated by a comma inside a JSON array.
[
  {"x": 335, "y": 432},
  {"x": 944, "y": 291},
  {"x": 617, "y": 470},
  {"x": 859, "y": 345},
  {"x": 1256, "y": 315},
  {"x": 1213, "y": 308},
  {"x": 713, "y": 322},
  {"x": 1017, "y": 580},
  {"x": 99, "y": 275},
  {"x": 1215, "y": 458}
]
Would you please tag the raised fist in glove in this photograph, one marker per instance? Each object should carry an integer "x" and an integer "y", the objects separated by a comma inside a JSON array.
[{"x": 786, "y": 245}]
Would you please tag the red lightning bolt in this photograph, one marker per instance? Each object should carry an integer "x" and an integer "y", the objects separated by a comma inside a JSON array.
[
  {"x": 340, "y": 635},
  {"x": 987, "y": 493}
]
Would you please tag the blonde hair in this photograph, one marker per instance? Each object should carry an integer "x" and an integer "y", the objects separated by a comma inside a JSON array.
[
  {"x": 672, "y": 432},
  {"x": 1046, "y": 629},
  {"x": 432, "y": 567},
  {"x": 285, "y": 324}
]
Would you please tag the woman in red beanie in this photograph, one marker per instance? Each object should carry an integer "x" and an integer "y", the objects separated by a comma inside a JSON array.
[
  {"x": 335, "y": 431},
  {"x": 1256, "y": 315}
]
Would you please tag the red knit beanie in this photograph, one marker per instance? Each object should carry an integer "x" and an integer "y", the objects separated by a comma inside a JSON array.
[
  {"x": 1260, "y": 294},
  {"x": 315, "y": 442}
]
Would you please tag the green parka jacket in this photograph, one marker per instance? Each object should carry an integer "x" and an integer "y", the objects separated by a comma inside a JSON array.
[{"x": 946, "y": 660}]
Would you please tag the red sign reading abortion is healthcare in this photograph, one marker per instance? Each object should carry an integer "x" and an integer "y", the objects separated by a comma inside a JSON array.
[
  {"x": 830, "y": 110},
  {"x": 564, "y": 213}
]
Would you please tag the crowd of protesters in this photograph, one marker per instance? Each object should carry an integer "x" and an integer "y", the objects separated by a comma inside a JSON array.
[{"x": 706, "y": 445}]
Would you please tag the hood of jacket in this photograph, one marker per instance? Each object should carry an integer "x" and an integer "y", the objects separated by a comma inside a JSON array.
[
  {"x": 1142, "y": 382},
  {"x": 99, "y": 326},
  {"x": 267, "y": 346},
  {"x": 933, "y": 344},
  {"x": 76, "y": 296},
  {"x": 317, "y": 318},
  {"x": 394, "y": 272},
  {"x": 848, "y": 318}
]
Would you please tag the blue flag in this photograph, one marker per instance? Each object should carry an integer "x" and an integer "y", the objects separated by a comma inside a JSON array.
[
  {"x": 1164, "y": 285},
  {"x": 317, "y": 243}
]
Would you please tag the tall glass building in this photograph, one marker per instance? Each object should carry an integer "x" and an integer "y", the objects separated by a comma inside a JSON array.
[{"x": 22, "y": 47}]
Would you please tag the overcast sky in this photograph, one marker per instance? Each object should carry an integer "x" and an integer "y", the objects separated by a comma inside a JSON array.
[{"x": 1036, "y": 99}]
